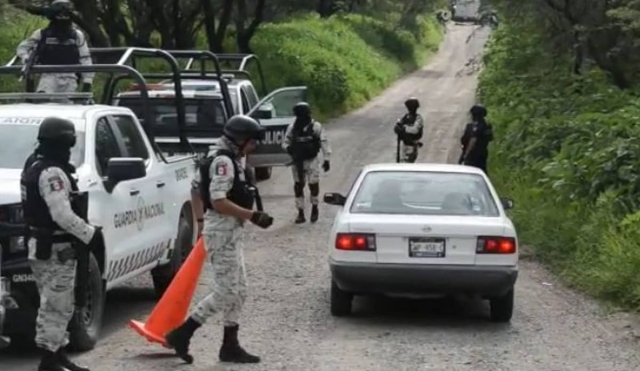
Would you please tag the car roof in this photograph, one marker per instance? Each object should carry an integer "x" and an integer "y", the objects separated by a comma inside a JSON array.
[
  {"x": 426, "y": 167},
  {"x": 73, "y": 112}
]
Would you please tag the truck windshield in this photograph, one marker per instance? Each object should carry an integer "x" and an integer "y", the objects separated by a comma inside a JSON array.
[
  {"x": 204, "y": 117},
  {"x": 18, "y": 141}
]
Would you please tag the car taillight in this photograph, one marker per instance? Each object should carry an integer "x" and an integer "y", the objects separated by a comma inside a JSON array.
[
  {"x": 496, "y": 245},
  {"x": 356, "y": 241}
]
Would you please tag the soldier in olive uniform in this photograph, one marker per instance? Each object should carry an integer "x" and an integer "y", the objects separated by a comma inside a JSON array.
[{"x": 228, "y": 201}]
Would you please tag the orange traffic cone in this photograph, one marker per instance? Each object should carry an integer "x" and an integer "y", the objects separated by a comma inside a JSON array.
[{"x": 172, "y": 308}]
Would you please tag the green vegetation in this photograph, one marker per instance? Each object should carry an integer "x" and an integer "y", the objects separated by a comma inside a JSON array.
[
  {"x": 344, "y": 60},
  {"x": 567, "y": 151}
]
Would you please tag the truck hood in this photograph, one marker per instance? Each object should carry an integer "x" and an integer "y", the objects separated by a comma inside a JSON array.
[{"x": 10, "y": 186}]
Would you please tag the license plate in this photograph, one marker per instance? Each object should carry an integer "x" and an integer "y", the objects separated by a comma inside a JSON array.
[{"x": 427, "y": 247}]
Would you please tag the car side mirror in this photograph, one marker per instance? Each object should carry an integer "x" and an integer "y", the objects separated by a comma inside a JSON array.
[
  {"x": 265, "y": 112},
  {"x": 120, "y": 169},
  {"x": 507, "y": 203},
  {"x": 334, "y": 199}
]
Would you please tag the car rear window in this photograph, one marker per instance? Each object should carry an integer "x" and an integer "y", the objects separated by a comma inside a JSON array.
[
  {"x": 424, "y": 193},
  {"x": 19, "y": 138},
  {"x": 202, "y": 115}
]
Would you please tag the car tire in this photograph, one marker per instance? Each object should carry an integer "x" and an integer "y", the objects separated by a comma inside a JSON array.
[
  {"x": 163, "y": 275},
  {"x": 502, "y": 307},
  {"x": 263, "y": 173},
  {"x": 340, "y": 301},
  {"x": 85, "y": 325}
]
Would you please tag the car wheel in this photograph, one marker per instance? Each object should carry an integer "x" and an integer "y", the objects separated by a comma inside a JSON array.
[
  {"x": 340, "y": 301},
  {"x": 85, "y": 325},
  {"x": 163, "y": 275},
  {"x": 263, "y": 173},
  {"x": 502, "y": 307}
]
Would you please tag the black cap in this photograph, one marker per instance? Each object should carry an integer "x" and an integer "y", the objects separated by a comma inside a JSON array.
[
  {"x": 478, "y": 111},
  {"x": 412, "y": 103}
]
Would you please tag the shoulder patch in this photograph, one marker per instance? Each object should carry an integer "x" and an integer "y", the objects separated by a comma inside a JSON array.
[
  {"x": 56, "y": 183},
  {"x": 221, "y": 168}
]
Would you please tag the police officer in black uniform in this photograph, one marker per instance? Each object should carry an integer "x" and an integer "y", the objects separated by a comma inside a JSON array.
[
  {"x": 477, "y": 147},
  {"x": 58, "y": 44},
  {"x": 51, "y": 214}
]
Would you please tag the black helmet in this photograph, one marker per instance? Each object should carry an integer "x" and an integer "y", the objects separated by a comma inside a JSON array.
[
  {"x": 478, "y": 111},
  {"x": 60, "y": 9},
  {"x": 302, "y": 109},
  {"x": 412, "y": 104},
  {"x": 57, "y": 131},
  {"x": 241, "y": 128}
]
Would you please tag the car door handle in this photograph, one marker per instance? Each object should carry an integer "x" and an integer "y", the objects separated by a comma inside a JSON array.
[
  {"x": 160, "y": 184},
  {"x": 134, "y": 192}
]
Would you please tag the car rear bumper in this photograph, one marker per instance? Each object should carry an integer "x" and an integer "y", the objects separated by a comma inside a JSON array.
[{"x": 374, "y": 278}]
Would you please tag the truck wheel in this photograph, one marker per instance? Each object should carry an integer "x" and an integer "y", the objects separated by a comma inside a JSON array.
[
  {"x": 85, "y": 325},
  {"x": 340, "y": 301},
  {"x": 163, "y": 275},
  {"x": 502, "y": 307},
  {"x": 263, "y": 173}
]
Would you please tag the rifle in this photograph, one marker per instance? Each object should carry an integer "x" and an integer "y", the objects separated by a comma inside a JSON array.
[
  {"x": 81, "y": 199},
  {"x": 26, "y": 69},
  {"x": 398, "y": 150}
]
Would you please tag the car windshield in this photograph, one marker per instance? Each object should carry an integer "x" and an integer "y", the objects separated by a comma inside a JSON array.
[
  {"x": 18, "y": 141},
  {"x": 424, "y": 193},
  {"x": 202, "y": 114}
]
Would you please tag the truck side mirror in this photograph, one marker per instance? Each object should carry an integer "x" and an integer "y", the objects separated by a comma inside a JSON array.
[{"x": 120, "y": 169}]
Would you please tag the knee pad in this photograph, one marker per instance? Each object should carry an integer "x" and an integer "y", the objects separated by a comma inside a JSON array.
[
  {"x": 298, "y": 189},
  {"x": 412, "y": 157},
  {"x": 314, "y": 189}
]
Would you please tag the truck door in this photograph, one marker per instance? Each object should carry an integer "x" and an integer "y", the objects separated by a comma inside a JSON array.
[{"x": 275, "y": 113}]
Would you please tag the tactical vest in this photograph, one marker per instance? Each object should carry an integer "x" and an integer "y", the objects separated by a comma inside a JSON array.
[
  {"x": 55, "y": 51},
  {"x": 240, "y": 193},
  {"x": 305, "y": 144},
  {"x": 410, "y": 139}
]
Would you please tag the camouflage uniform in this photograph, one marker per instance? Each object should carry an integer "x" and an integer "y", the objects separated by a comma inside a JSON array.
[
  {"x": 58, "y": 82},
  {"x": 310, "y": 168},
  {"x": 409, "y": 152},
  {"x": 56, "y": 280},
  {"x": 221, "y": 235}
]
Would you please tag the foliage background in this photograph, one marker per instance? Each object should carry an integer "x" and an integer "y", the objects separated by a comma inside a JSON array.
[{"x": 566, "y": 145}]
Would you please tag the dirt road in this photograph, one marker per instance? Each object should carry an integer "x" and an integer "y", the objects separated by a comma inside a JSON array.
[{"x": 287, "y": 319}]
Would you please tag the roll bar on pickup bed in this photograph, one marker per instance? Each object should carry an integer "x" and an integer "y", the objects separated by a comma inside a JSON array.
[{"x": 244, "y": 60}]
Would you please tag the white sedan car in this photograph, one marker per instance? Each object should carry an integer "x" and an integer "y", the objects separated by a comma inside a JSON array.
[{"x": 423, "y": 229}]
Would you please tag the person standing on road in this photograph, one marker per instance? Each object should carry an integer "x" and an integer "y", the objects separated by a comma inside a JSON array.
[
  {"x": 409, "y": 130},
  {"x": 228, "y": 200},
  {"x": 50, "y": 212},
  {"x": 303, "y": 140},
  {"x": 477, "y": 148},
  {"x": 58, "y": 44}
]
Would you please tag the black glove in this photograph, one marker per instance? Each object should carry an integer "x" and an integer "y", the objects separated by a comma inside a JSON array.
[
  {"x": 86, "y": 87},
  {"x": 261, "y": 219},
  {"x": 66, "y": 254},
  {"x": 398, "y": 129},
  {"x": 326, "y": 166},
  {"x": 97, "y": 236}
]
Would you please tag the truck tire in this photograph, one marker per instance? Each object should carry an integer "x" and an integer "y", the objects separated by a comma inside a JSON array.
[
  {"x": 340, "y": 301},
  {"x": 502, "y": 307},
  {"x": 163, "y": 275},
  {"x": 263, "y": 173},
  {"x": 85, "y": 325}
]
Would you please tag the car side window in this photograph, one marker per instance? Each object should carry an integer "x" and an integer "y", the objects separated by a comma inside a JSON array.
[
  {"x": 106, "y": 146},
  {"x": 131, "y": 137},
  {"x": 245, "y": 102},
  {"x": 251, "y": 95}
]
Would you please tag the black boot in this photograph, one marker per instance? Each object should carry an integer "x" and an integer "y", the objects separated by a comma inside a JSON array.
[
  {"x": 50, "y": 362},
  {"x": 66, "y": 362},
  {"x": 300, "y": 219},
  {"x": 231, "y": 351},
  {"x": 314, "y": 213},
  {"x": 179, "y": 339}
]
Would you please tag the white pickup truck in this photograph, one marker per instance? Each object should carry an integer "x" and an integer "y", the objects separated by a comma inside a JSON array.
[{"x": 146, "y": 213}]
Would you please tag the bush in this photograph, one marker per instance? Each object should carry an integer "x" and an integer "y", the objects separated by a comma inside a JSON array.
[
  {"x": 566, "y": 150},
  {"x": 344, "y": 60}
]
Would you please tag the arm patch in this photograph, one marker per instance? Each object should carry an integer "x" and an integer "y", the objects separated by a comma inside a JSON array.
[{"x": 221, "y": 169}]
